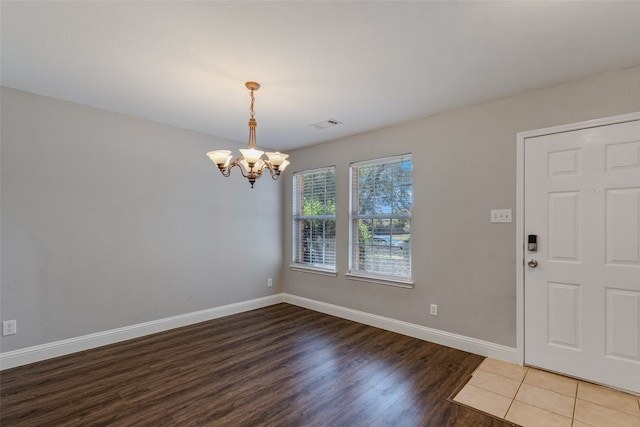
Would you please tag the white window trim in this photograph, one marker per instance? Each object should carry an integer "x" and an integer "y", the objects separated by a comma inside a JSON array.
[
  {"x": 314, "y": 268},
  {"x": 305, "y": 268},
  {"x": 381, "y": 280},
  {"x": 404, "y": 282}
]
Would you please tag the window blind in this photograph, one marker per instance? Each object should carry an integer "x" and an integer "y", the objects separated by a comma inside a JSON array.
[
  {"x": 314, "y": 218},
  {"x": 380, "y": 217}
]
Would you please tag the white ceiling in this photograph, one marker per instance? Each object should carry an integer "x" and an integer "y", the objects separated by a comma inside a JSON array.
[{"x": 367, "y": 64}]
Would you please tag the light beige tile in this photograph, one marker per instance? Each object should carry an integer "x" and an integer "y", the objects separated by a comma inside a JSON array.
[
  {"x": 496, "y": 383},
  {"x": 577, "y": 423},
  {"x": 483, "y": 400},
  {"x": 600, "y": 416},
  {"x": 505, "y": 369},
  {"x": 531, "y": 416},
  {"x": 546, "y": 399},
  {"x": 553, "y": 382},
  {"x": 610, "y": 398}
]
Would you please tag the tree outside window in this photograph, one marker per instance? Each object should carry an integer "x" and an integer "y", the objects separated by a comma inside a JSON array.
[{"x": 314, "y": 218}]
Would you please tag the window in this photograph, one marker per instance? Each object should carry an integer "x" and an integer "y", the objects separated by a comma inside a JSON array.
[
  {"x": 314, "y": 219},
  {"x": 380, "y": 220}
]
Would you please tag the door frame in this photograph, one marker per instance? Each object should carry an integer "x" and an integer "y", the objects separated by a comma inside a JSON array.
[{"x": 521, "y": 137}]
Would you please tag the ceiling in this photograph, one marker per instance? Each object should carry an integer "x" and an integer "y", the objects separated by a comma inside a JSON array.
[{"x": 367, "y": 64}]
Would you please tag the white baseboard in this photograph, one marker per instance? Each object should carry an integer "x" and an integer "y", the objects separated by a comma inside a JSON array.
[
  {"x": 24, "y": 356},
  {"x": 460, "y": 342},
  {"x": 37, "y": 353}
]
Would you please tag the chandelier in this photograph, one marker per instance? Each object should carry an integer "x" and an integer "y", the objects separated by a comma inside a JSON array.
[{"x": 250, "y": 162}]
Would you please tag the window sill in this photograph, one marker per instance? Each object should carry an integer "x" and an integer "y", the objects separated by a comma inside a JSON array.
[
  {"x": 381, "y": 280},
  {"x": 313, "y": 270}
]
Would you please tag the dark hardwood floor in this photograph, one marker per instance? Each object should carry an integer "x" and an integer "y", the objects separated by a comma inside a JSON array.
[{"x": 277, "y": 366}]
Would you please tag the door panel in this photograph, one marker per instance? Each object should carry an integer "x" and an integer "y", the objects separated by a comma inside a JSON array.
[
  {"x": 623, "y": 318},
  {"x": 623, "y": 226},
  {"x": 564, "y": 226},
  {"x": 623, "y": 156},
  {"x": 582, "y": 301},
  {"x": 564, "y": 315}
]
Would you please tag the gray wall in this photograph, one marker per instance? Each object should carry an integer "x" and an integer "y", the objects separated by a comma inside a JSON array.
[
  {"x": 109, "y": 220},
  {"x": 464, "y": 165}
]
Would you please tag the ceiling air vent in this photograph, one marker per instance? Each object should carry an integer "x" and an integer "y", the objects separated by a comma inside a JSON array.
[{"x": 325, "y": 124}]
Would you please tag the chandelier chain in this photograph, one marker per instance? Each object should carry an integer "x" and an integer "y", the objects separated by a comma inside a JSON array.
[{"x": 251, "y": 107}]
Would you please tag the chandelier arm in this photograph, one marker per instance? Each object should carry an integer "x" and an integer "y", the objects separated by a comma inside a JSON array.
[
  {"x": 258, "y": 172},
  {"x": 274, "y": 173},
  {"x": 242, "y": 171},
  {"x": 225, "y": 171}
]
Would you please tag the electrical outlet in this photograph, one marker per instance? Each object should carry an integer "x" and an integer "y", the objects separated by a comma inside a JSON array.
[
  {"x": 434, "y": 309},
  {"x": 269, "y": 282},
  {"x": 8, "y": 327}
]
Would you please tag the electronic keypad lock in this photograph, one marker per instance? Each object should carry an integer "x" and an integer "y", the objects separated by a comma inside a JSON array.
[{"x": 533, "y": 243}]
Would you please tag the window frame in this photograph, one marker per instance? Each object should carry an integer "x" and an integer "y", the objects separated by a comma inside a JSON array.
[
  {"x": 405, "y": 281},
  {"x": 297, "y": 265}
]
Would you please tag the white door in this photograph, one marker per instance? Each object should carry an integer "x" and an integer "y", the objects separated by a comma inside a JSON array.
[{"x": 582, "y": 300}]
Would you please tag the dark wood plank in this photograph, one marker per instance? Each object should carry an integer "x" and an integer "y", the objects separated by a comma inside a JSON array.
[{"x": 277, "y": 366}]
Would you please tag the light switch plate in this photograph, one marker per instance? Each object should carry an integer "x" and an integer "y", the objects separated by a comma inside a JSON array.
[{"x": 501, "y": 215}]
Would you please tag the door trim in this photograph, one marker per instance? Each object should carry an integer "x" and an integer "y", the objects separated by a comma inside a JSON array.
[{"x": 521, "y": 137}]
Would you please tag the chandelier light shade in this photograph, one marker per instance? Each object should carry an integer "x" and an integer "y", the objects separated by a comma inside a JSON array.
[{"x": 250, "y": 161}]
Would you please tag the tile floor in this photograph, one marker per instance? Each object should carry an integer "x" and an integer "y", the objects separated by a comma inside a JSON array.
[{"x": 534, "y": 398}]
